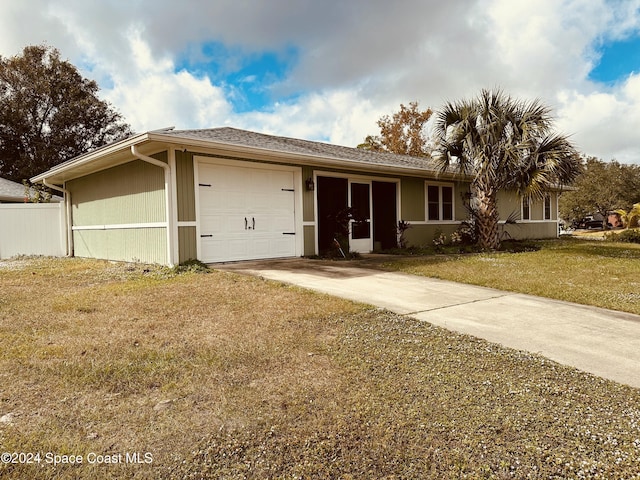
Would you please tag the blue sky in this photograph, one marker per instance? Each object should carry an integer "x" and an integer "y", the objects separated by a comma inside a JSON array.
[
  {"x": 329, "y": 70},
  {"x": 619, "y": 60},
  {"x": 248, "y": 77}
]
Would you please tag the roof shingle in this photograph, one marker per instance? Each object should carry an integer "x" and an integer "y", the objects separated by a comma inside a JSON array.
[
  {"x": 234, "y": 136},
  {"x": 11, "y": 190}
]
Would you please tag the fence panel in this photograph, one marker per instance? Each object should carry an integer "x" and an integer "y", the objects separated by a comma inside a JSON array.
[{"x": 32, "y": 229}]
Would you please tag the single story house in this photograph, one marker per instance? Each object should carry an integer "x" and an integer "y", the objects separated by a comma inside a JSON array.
[{"x": 224, "y": 194}]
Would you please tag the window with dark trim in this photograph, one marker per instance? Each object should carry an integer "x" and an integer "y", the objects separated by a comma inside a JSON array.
[
  {"x": 439, "y": 202},
  {"x": 547, "y": 207},
  {"x": 526, "y": 209}
]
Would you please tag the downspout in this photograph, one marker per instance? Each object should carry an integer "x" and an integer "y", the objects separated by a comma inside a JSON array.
[
  {"x": 67, "y": 216},
  {"x": 167, "y": 196}
]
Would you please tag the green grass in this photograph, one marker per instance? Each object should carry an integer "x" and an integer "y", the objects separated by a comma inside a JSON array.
[
  {"x": 603, "y": 274},
  {"x": 216, "y": 375}
]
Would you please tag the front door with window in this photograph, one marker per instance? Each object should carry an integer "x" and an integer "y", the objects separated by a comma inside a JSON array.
[
  {"x": 370, "y": 210},
  {"x": 360, "y": 231}
]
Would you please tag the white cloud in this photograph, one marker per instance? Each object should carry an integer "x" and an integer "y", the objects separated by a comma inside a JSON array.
[
  {"x": 156, "y": 96},
  {"x": 604, "y": 124},
  {"x": 339, "y": 116},
  {"x": 356, "y": 60}
]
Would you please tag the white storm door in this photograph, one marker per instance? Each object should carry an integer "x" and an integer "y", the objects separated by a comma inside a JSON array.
[
  {"x": 360, "y": 226},
  {"x": 246, "y": 212}
]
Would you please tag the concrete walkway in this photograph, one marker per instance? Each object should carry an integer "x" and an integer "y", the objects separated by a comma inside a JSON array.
[{"x": 603, "y": 342}]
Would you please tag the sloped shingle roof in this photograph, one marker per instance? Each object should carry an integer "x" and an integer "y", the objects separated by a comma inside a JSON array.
[
  {"x": 234, "y": 136},
  {"x": 231, "y": 139},
  {"x": 11, "y": 190}
]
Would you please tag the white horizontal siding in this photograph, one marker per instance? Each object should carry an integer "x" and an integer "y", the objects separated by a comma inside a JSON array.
[{"x": 32, "y": 229}]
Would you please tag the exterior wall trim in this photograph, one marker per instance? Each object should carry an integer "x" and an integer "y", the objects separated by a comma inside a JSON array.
[
  {"x": 121, "y": 226},
  {"x": 172, "y": 206},
  {"x": 533, "y": 221},
  {"x": 435, "y": 222},
  {"x": 438, "y": 183}
]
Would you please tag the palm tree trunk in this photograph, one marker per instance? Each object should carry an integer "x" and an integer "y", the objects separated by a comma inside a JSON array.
[{"x": 487, "y": 217}]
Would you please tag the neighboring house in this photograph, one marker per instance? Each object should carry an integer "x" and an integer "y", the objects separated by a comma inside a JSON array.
[
  {"x": 614, "y": 220},
  {"x": 11, "y": 192},
  {"x": 225, "y": 194}
]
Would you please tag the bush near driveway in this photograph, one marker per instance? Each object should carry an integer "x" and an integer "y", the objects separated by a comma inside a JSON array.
[
  {"x": 222, "y": 376},
  {"x": 631, "y": 235}
]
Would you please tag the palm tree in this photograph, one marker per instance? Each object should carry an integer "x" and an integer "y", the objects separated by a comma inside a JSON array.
[
  {"x": 502, "y": 144},
  {"x": 630, "y": 219}
]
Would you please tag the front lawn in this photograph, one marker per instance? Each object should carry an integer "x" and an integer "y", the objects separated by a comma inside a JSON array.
[
  {"x": 121, "y": 371},
  {"x": 591, "y": 272}
]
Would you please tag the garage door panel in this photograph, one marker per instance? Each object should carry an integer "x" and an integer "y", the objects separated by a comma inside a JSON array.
[
  {"x": 282, "y": 224},
  {"x": 264, "y": 197}
]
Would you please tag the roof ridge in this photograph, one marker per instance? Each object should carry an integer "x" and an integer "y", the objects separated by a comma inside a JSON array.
[{"x": 426, "y": 157}]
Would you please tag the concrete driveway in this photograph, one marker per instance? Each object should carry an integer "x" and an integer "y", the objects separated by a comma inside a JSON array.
[{"x": 603, "y": 342}]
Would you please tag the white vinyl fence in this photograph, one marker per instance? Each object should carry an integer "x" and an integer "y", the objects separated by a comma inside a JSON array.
[{"x": 32, "y": 229}]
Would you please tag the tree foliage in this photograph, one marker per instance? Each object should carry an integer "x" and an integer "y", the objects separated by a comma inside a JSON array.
[
  {"x": 503, "y": 144},
  {"x": 602, "y": 187},
  {"x": 403, "y": 132},
  {"x": 49, "y": 113},
  {"x": 631, "y": 218}
]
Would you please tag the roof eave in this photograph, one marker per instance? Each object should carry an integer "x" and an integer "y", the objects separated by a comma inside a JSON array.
[
  {"x": 64, "y": 171},
  {"x": 87, "y": 158}
]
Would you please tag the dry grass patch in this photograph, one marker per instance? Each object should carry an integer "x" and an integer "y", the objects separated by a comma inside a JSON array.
[
  {"x": 422, "y": 402},
  {"x": 110, "y": 358},
  {"x": 223, "y": 376}
]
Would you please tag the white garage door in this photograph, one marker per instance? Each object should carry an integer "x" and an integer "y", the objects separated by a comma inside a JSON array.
[{"x": 246, "y": 212}]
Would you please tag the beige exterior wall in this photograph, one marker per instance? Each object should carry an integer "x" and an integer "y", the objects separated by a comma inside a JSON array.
[
  {"x": 307, "y": 198},
  {"x": 536, "y": 227},
  {"x": 422, "y": 235},
  {"x": 119, "y": 213},
  {"x": 412, "y": 198},
  {"x": 146, "y": 245},
  {"x": 309, "y": 241},
  {"x": 187, "y": 244},
  {"x": 186, "y": 195},
  {"x": 510, "y": 203},
  {"x": 126, "y": 194},
  {"x": 531, "y": 230}
]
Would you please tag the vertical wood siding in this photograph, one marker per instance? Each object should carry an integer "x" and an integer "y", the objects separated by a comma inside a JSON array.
[
  {"x": 146, "y": 245},
  {"x": 307, "y": 196},
  {"x": 185, "y": 186},
  {"x": 309, "y": 240},
  {"x": 129, "y": 195},
  {"x": 187, "y": 242}
]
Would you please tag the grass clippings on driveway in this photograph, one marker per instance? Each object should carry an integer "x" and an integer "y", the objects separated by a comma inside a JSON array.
[
  {"x": 223, "y": 376},
  {"x": 590, "y": 272}
]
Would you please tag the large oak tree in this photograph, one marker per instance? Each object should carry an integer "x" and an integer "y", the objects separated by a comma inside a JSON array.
[
  {"x": 49, "y": 113},
  {"x": 602, "y": 187},
  {"x": 403, "y": 132}
]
